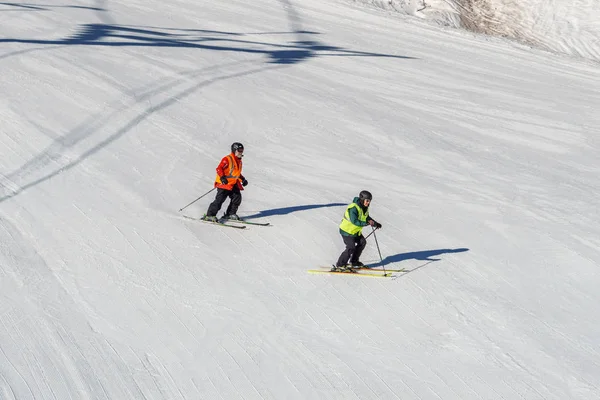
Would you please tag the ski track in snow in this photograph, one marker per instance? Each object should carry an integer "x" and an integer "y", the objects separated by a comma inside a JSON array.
[{"x": 481, "y": 156}]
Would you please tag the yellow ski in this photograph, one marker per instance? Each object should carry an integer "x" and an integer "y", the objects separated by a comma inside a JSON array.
[{"x": 368, "y": 275}]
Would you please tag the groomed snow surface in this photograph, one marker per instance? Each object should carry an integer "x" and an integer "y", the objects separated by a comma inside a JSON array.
[{"x": 482, "y": 157}]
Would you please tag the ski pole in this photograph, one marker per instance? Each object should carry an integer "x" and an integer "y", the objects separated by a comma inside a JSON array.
[
  {"x": 379, "y": 251},
  {"x": 181, "y": 209},
  {"x": 366, "y": 237}
]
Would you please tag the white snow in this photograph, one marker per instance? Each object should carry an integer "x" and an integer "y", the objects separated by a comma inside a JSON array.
[{"x": 482, "y": 156}]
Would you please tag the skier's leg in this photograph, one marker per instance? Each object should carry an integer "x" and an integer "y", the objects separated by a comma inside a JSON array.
[
  {"x": 236, "y": 200},
  {"x": 346, "y": 254},
  {"x": 215, "y": 206},
  {"x": 360, "y": 244}
]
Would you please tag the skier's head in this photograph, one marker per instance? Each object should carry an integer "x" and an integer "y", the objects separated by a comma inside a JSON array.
[
  {"x": 237, "y": 149},
  {"x": 365, "y": 198}
]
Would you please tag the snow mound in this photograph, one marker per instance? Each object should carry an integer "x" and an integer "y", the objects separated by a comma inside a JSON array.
[{"x": 565, "y": 26}]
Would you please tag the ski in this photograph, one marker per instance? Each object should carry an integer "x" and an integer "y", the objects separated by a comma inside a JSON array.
[
  {"x": 367, "y": 268},
  {"x": 242, "y": 221},
  {"x": 366, "y": 275},
  {"x": 215, "y": 223}
]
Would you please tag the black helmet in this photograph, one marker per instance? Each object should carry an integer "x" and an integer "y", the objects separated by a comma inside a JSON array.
[
  {"x": 365, "y": 195},
  {"x": 237, "y": 146}
]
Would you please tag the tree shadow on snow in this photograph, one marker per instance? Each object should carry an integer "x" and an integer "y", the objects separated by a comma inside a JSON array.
[
  {"x": 425, "y": 255},
  {"x": 289, "y": 210}
]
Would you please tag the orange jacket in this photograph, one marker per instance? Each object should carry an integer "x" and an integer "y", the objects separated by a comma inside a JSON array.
[{"x": 231, "y": 168}]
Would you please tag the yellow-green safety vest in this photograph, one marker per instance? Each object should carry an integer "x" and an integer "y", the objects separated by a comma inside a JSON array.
[{"x": 348, "y": 226}]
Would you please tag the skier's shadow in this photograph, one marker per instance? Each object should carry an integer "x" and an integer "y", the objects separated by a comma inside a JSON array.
[
  {"x": 425, "y": 255},
  {"x": 289, "y": 210}
]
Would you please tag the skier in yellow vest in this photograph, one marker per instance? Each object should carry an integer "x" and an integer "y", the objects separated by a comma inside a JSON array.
[{"x": 355, "y": 218}]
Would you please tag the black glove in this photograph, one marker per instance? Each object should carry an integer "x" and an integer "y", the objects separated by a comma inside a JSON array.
[
  {"x": 224, "y": 180},
  {"x": 244, "y": 182},
  {"x": 374, "y": 224}
]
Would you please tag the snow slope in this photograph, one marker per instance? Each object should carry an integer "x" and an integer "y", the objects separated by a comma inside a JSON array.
[
  {"x": 481, "y": 156},
  {"x": 570, "y": 27}
]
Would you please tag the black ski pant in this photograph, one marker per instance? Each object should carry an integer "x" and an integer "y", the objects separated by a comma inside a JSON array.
[
  {"x": 222, "y": 195},
  {"x": 354, "y": 248}
]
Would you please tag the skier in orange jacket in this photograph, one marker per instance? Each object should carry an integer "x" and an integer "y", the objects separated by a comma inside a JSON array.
[{"x": 229, "y": 183}]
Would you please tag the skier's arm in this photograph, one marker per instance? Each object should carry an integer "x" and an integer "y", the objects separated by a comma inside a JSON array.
[
  {"x": 222, "y": 167},
  {"x": 353, "y": 214}
]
